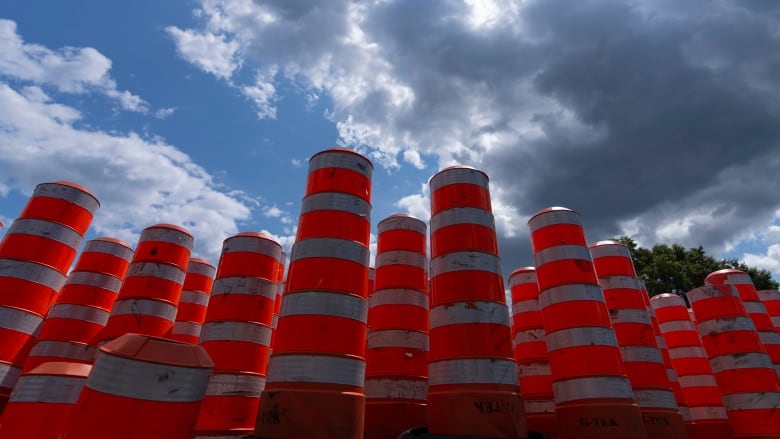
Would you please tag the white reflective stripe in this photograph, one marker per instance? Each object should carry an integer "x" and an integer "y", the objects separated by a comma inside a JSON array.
[
  {"x": 539, "y": 406},
  {"x": 603, "y": 250},
  {"x": 401, "y": 257},
  {"x": 676, "y": 325},
  {"x": 398, "y": 296},
  {"x": 129, "y": 378},
  {"x": 47, "y": 229},
  {"x": 671, "y": 375},
  {"x": 465, "y": 261},
  {"x": 397, "y": 338},
  {"x": 336, "y": 201},
  {"x": 249, "y": 332},
  {"x": 109, "y": 247},
  {"x": 194, "y": 298},
  {"x": 253, "y": 244},
  {"x": 576, "y": 389},
  {"x": 92, "y": 279},
  {"x": 776, "y": 321},
  {"x": 165, "y": 234},
  {"x": 186, "y": 328},
  {"x": 458, "y": 175},
  {"x": 685, "y": 413},
  {"x": 274, "y": 321},
  {"x": 581, "y": 336},
  {"x": 561, "y": 253},
  {"x": 549, "y": 217},
  {"x": 708, "y": 413},
  {"x": 755, "y": 307},
  {"x": 655, "y": 399},
  {"x": 472, "y": 371},
  {"x": 316, "y": 369},
  {"x": 740, "y": 278},
  {"x": 523, "y": 276},
  {"x": 462, "y": 216},
  {"x": 330, "y": 248},
  {"x": 768, "y": 295},
  {"x": 666, "y": 300},
  {"x": 32, "y": 272},
  {"x": 769, "y": 337},
  {"x": 392, "y": 388},
  {"x": 254, "y": 286},
  {"x": 402, "y": 222},
  {"x": 746, "y": 360},
  {"x": 158, "y": 270},
  {"x": 698, "y": 381},
  {"x": 708, "y": 292},
  {"x": 615, "y": 282},
  {"x": 79, "y": 312},
  {"x": 147, "y": 307},
  {"x": 687, "y": 352},
  {"x": 48, "y": 389},
  {"x": 570, "y": 293},
  {"x": 68, "y": 193},
  {"x": 529, "y": 336},
  {"x": 469, "y": 312},
  {"x": 235, "y": 384},
  {"x": 641, "y": 354},
  {"x": 322, "y": 303},
  {"x": 9, "y": 375},
  {"x": 63, "y": 349},
  {"x": 660, "y": 342},
  {"x": 752, "y": 401},
  {"x": 201, "y": 268},
  {"x": 19, "y": 320},
  {"x": 629, "y": 315},
  {"x": 525, "y": 306},
  {"x": 709, "y": 327},
  {"x": 341, "y": 159},
  {"x": 533, "y": 369}
]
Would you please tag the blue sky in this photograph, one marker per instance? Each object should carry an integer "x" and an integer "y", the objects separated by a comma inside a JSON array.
[{"x": 653, "y": 119}]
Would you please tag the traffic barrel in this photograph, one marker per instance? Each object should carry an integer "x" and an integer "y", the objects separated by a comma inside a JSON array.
[
  {"x": 142, "y": 387},
  {"x": 194, "y": 301},
  {"x": 743, "y": 370},
  {"x": 700, "y": 391},
  {"x": 642, "y": 359},
  {"x": 43, "y": 400},
  {"x": 771, "y": 301},
  {"x": 35, "y": 255},
  {"x": 530, "y": 348},
  {"x": 237, "y": 332},
  {"x": 593, "y": 395},
  {"x": 317, "y": 370},
  {"x": 82, "y": 307},
  {"x": 277, "y": 302},
  {"x": 152, "y": 287},
  {"x": 396, "y": 384},
  {"x": 472, "y": 387}
]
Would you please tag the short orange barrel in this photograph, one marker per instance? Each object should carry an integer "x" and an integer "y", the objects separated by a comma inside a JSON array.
[
  {"x": 142, "y": 387},
  {"x": 194, "y": 301}
]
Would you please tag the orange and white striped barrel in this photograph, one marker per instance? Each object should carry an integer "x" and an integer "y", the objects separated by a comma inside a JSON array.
[
  {"x": 533, "y": 360},
  {"x": 191, "y": 312},
  {"x": 642, "y": 359},
  {"x": 472, "y": 386},
  {"x": 280, "y": 286},
  {"x": 742, "y": 368},
  {"x": 237, "y": 332},
  {"x": 142, "y": 387},
  {"x": 771, "y": 301},
  {"x": 701, "y": 394},
  {"x": 317, "y": 370},
  {"x": 151, "y": 290},
  {"x": 43, "y": 400},
  {"x": 83, "y": 305},
  {"x": 755, "y": 308},
  {"x": 397, "y": 347},
  {"x": 593, "y": 395}
]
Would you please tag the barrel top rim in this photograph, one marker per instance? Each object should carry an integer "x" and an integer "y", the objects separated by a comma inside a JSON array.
[
  {"x": 518, "y": 270},
  {"x": 401, "y": 215},
  {"x": 459, "y": 167},
  {"x": 74, "y": 186},
  {"x": 61, "y": 368},
  {"x": 343, "y": 150},
  {"x": 170, "y": 227},
  {"x": 158, "y": 350},
  {"x": 551, "y": 210},
  {"x": 201, "y": 261},
  {"x": 112, "y": 240},
  {"x": 606, "y": 242},
  {"x": 726, "y": 271}
]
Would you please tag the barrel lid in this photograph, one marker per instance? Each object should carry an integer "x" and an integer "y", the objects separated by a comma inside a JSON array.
[
  {"x": 346, "y": 151},
  {"x": 158, "y": 350},
  {"x": 112, "y": 240},
  {"x": 605, "y": 242},
  {"x": 521, "y": 270},
  {"x": 170, "y": 227},
  {"x": 73, "y": 185},
  {"x": 725, "y": 271},
  {"x": 61, "y": 368},
  {"x": 263, "y": 235},
  {"x": 201, "y": 261}
]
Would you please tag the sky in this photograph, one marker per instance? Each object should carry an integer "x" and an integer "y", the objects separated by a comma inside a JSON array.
[{"x": 656, "y": 119}]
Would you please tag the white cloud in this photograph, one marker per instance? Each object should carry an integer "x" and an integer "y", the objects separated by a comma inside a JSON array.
[
  {"x": 164, "y": 113},
  {"x": 413, "y": 158},
  {"x": 212, "y": 53},
  {"x": 297, "y": 162},
  {"x": 769, "y": 261},
  {"x": 418, "y": 205},
  {"x": 263, "y": 94}
]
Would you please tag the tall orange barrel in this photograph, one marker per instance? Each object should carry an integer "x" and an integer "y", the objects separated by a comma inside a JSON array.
[
  {"x": 317, "y": 370},
  {"x": 771, "y": 301},
  {"x": 278, "y": 301},
  {"x": 82, "y": 307},
  {"x": 743, "y": 370},
  {"x": 194, "y": 301},
  {"x": 397, "y": 348},
  {"x": 237, "y": 333},
  {"x": 142, "y": 387},
  {"x": 593, "y": 395},
  {"x": 472, "y": 387},
  {"x": 533, "y": 360}
]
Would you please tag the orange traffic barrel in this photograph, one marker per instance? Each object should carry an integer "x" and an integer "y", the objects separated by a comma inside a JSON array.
[
  {"x": 593, "y": 395},
  {"x": 317, "y": 370},
  {"x": 771, "y": 301},
  {"x": 194, "y": 301},
  {"x": 43, "y": 400},
  {"x": 142, "y": 387},
  {"x": 237, "y": 332},
  {"x": 472, "y": 387},
  {"x": 642, "y": 359},
  {"x": 755, "y": 308},
  {"x": 397, "y": 344},
  {"x": 533, "y": 360},
  {"x": 700, "y": 391},
  {"x": 742, "y": 368},
  {"x": 151, "y": 290},
  {"x": 82, "y": 307}
]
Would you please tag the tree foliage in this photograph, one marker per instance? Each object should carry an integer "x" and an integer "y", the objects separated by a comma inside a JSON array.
[{"x": 673, "y": 268}]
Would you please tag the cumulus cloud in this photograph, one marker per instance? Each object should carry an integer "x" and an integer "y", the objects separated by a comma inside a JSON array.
[{"x": 212, "y": 53}]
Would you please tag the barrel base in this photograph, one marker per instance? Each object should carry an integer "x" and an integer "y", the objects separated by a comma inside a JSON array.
[
  {"x": 387, "y": 420},
  {"x": 298, "y": 413},
  {"x": 663, "y": 424},
  {"x": 600, "y": 420},
  {"x": 477, "y": 413}
]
